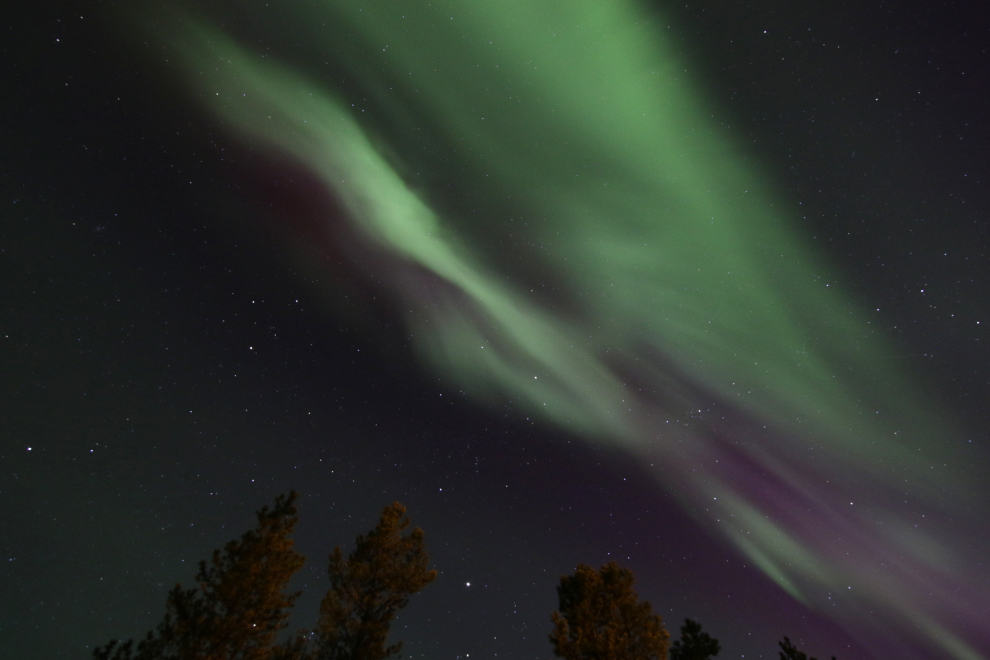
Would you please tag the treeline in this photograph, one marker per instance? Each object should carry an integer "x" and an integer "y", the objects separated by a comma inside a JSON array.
[{"x": 240, "y": 606}]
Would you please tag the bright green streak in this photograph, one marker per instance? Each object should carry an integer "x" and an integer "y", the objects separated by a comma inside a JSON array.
[{"x": 668, "y": 242}]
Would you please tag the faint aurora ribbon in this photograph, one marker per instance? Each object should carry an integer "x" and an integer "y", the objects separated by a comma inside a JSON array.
[{"x": 684, "y": 285}]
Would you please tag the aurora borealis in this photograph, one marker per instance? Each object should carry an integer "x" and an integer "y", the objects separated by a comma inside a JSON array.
[{"x": 562, "y": 228}]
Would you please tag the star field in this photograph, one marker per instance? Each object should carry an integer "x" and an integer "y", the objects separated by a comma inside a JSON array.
[{"x": 182, "y": 337}]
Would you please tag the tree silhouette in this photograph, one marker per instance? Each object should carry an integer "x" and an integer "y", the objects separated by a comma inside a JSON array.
[
  {"x": 602, "y": 618},
  {"x": 367, "y": 590},
  {"x": 239, "y": 606},
  {"x": 789, "y": 652},
  {"x": 694, "y": 644}
]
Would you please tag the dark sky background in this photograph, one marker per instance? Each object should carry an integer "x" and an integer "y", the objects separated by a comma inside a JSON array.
[{"x": 166, "y": 369}]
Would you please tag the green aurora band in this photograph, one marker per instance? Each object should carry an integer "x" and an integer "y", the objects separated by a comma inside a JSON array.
[{"x": 679, "y": 282}]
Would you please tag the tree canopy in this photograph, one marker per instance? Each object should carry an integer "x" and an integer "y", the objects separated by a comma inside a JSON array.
[
  {"x": 240, "y": 607},
  {"x": 602, "y": 618},
  {"x": 240, "y": 604},
  {"x": 789, "y": 652},
  {"x": 368, "y": 589},
  {"x": 694, "y": 644}
]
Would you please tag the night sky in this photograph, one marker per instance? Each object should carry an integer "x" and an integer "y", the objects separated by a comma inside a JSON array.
[{"x": 200, "y": 310}]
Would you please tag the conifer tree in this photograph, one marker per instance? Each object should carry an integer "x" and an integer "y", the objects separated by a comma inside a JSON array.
[
  {"x": 370, "y": 587},
  {"x": 239, "y": 606},
  {"x": 789, "y": 652},
  {"x": 694, "y": 644},
  {"x": 602, "y": 618}
]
